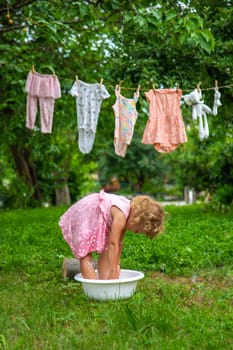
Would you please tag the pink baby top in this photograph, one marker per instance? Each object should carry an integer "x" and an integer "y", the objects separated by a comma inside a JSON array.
[{"x": 87, "y": 223}]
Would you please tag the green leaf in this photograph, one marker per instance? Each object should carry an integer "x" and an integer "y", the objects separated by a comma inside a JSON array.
[
  {"x": 157, "y": 13},
  {"x": 116, "y": 5},
  {"x": 182, "y": 38},
  {"x": 84, "y": 10},
  {"x": 170, "y": 15}
]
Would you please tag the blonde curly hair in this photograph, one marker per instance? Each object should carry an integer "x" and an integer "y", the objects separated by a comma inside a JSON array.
[{"x": 148, "y": 215}]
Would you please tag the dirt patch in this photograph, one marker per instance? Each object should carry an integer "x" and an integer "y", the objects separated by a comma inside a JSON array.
[
  {"x": 196, "y": 290},
  {"x": 192, "y": 280}
]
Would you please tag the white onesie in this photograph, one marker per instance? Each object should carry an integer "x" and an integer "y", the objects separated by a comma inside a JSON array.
[{"x": 88, "y": 102}]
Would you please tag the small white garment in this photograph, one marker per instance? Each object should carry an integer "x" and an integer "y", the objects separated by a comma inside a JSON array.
[
  {"x": 217, "y": 102},
  {"x": 199, "y": 110},
  {"x": 203, "y": 123},
  {"x": 89, "y": 98}
]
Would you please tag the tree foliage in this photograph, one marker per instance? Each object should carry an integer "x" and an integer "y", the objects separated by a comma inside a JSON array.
[{"x": 138, "y": 43}]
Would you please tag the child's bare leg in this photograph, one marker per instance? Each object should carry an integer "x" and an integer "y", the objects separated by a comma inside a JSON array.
[
  {"x": 103, "y": 266},
  {"x": 86, "y": 267}
]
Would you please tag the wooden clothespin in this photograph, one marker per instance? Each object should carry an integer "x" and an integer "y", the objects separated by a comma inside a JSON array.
[
  {"x": 138, "y": 88},
  {"x": 177, "y": 87},
  {"x": 198, "y": 86},
  {"x": 33, "y": 69},
  {"x": 118, "y": 86},
  {"x": 76, "y": 79},
  {"x": 101, "y": 82},
  {"x": 153, "y": 85},
  {"x": 216, "y": 85}
]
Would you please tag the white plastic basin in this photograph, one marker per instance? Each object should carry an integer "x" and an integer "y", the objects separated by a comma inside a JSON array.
[{"x": 114, "y": 289}]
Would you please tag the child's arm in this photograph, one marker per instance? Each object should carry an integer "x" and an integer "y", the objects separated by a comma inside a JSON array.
[{"x": 115, "y": 242}]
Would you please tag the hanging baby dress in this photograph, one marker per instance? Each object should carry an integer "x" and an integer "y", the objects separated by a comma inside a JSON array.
[
  {"x": 165, "y": 128},
  {"x": 89, "y": 98},
  {"x": 125, "y": 119}
]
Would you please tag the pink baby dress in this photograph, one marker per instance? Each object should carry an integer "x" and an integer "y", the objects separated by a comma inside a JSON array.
[
  {"x": 86, "y": 225},
  {"x": 165, "y": 127}
]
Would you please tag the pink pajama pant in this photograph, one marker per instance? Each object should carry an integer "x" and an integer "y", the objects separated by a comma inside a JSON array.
[{"x": 44, "y": 88}]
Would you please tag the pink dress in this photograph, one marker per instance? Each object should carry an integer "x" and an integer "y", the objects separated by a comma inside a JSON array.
[
  {"x": 165, "y": 128},
  {"x": 86, "y": 224}
]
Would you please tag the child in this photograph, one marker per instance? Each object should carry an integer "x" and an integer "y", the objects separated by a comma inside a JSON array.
[{"x": 98, "y": 222}]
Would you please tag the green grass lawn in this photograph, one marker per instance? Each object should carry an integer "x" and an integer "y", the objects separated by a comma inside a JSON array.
[{"x": 190, "y": 306}]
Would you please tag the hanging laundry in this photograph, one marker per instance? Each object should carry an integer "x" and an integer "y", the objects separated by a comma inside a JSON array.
[
  {"x": 217, "y": 102},
  {"x": 89, "y": 98},
  {"x": 44, "y": 88},
  {"x": 165, "y": 127},
  {"x": 199, "y": 110},
  {"x": 125, "y": 119}
]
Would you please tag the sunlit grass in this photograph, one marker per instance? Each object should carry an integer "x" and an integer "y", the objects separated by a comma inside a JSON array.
[{"x": 187, "y": 307}]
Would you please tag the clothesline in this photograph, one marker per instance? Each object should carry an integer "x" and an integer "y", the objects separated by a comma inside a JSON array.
[
  {"x": 185, "y": 90},
  {"x": 156, "y": 88}
]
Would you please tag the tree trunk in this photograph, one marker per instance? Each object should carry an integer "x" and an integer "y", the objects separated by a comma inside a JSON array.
[
  {"x": 26, "y": 170},
  {"x": 62, "y": 195},
  {"x": 139, "y": 184}
]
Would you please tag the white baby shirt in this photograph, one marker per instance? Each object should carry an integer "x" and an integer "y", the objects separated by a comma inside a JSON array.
[{"x": 89, "y": 98}]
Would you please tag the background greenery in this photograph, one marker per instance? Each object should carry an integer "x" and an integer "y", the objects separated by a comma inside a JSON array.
[
  {"x": 187, "y": 307},
  {"x": 142, "y": 43},
  {"x": 167, "y": 44}
]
